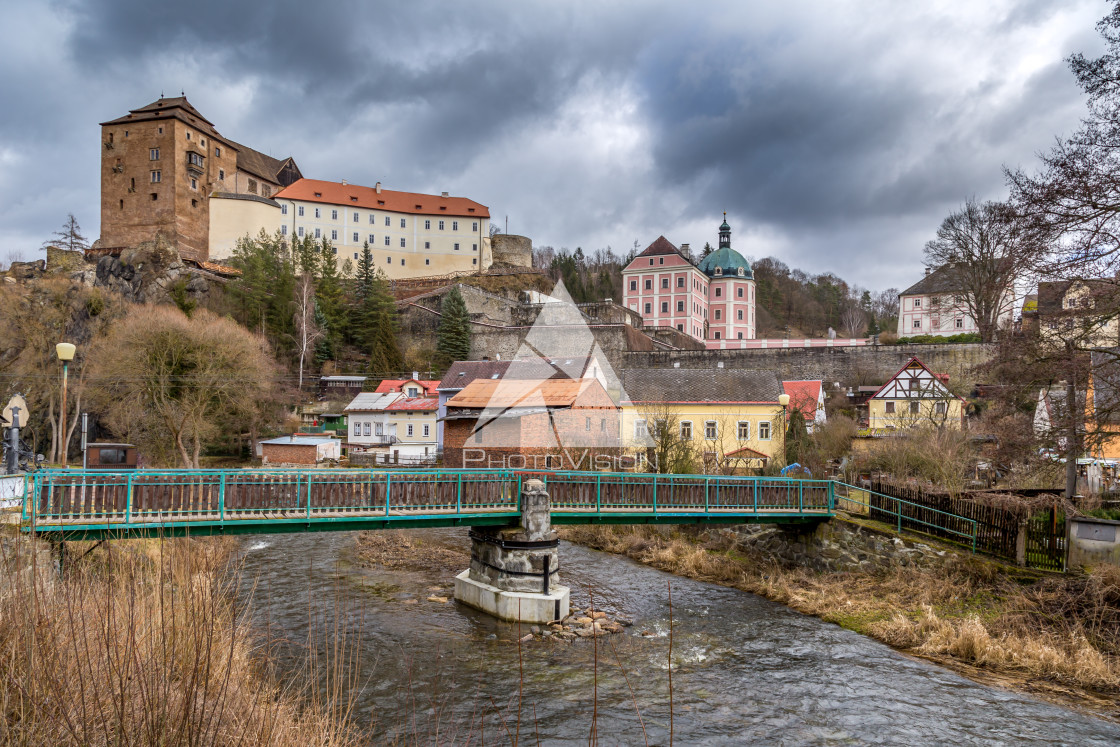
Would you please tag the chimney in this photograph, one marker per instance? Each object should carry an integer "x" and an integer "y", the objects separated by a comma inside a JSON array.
[
  {"x": 416, "y": 375},
  {"x": 443, "y": 194},
  {"x": 684, "y": 249},
  {"x": 927, "y": 271},
  {"x": 344, "y": 182},
  {"x": 377, "y": 188},
  {"x": 292, "y": 437}
]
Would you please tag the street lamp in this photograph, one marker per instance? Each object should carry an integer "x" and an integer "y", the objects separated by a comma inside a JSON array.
[
  {"x": 783, "y": 400},
  {"x": 65, "y": 352}
]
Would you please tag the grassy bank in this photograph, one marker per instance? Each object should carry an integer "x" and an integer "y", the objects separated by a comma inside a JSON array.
[
  {"x": 1056, "y": 636},
  {"x": 140, "y": 643}
]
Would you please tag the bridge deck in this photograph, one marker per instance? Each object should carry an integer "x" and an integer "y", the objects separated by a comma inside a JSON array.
[{"x": 97, "y": 504}]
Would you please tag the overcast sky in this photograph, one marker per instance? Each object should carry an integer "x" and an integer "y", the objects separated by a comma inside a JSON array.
[{"x": 836, "y": 135}]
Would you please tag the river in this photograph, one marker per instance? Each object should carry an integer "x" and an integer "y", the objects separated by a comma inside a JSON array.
[{"x": 745, "y": 670}]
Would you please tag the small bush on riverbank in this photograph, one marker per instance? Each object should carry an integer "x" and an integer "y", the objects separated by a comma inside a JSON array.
[
  {"x": 142, "y": 645},
  {"x": 1062, "y": 629}
]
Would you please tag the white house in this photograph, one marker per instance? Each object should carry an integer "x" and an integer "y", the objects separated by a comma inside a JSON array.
[
  {"x": 935, "y": 306},
  {"x": 369, "y": 427}
]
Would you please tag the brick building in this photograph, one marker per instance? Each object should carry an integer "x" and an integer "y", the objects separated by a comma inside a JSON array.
[
  {"x": 162, "y": 164},
  {"x": 519, "y": 424}
]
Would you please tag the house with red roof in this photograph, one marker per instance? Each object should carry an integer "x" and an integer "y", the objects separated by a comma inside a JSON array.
[
  {"x": 915, "y": 396},
  {"x": 808, "y": 398}
]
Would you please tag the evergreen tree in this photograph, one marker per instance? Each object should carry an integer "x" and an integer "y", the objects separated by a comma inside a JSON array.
[
  {"x": 330, "y": 294},
  {"x": 363, "y": 276},
  {"x": 873, "y": 325},
  {"x": 380, "y": 327},
  {"x": 454, "y": 343},
  {"x": 70, "y": 237},
  {"x": 263, "y": 295},
  {"x": 707, "y": 250},
  {"x": 797, "y": 437}
]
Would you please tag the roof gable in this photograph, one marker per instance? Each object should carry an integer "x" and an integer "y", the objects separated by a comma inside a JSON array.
[{"x": 914, "y": 381}]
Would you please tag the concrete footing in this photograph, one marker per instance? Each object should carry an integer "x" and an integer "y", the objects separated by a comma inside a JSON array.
[
  {"x": 514, "y": 573},
  {"x": 524, "y": 606}
]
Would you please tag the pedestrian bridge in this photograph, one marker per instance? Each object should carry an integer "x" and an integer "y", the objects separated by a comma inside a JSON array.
[{"x": 101, "y": 504}]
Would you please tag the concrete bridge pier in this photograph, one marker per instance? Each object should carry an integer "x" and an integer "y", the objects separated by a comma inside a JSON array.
[{"x": 514, "y": 573}]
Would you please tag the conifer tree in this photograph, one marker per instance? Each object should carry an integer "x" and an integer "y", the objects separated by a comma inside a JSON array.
[
  {"x": 454, "y": 343},
  {"x": 363, "y": 275},
  {"x": 379, "y": 319},
  {"x": 330, "y": 295}
]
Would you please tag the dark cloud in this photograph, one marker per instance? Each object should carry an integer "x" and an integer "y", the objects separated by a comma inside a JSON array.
[{"x": 834, "y": 134}]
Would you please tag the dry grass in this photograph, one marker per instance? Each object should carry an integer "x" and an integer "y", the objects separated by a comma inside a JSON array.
[
  {"x": 140, "y": 644},
  {"x": 399, "y": 549},
  {"x": 1061, "y": 630}
]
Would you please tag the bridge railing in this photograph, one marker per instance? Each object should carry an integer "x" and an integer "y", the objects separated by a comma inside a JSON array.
[
  {"x": 667, "y": 493},
  {"x": 908, "y": 515},
  {"x": 220, "y": 495}
]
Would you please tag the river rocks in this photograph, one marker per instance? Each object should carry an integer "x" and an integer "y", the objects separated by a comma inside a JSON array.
[
  {"x": 440, "y": 600},
  {"x": 580, "y": 624}
]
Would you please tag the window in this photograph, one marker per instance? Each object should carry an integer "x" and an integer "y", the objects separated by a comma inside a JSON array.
[
  {"x": 717, "y": 335},
  {"x": 740, "y": 335},
  {"x": 427, "y": 225},
  {"x": 188, "y": 136},
  {"x": 318, "y": 234},
  {"x": 355, "y": 217},
  {"x": 371, "y": 239},
  {"x": 664, "y": 282},
  {"x": 711, "y": 430},
  {"x": 194, "y": 183},
  {"x": 317, "y": 213},
  {"x": 718, "y": 312},
  {"x": 367, "y": 429},
  {"x": 587, "y": 424},
  {"x": 640, "y": 429},
  {"x": 388, "y": 260},
  {"x": 357, "y": 429},
  {"x": 334, "y": 215},
  {"x": 474, "y": 260},
  {"x": 474, "y": 226},
  {"x": 387, "y": 223},
  {"x": 917, "y": 324},
  {"x": 283, "y": 210},
  {"x": 660, "y": 260},
  {"x": 371, "y": 217},
  {"x": 217, "y": 152},
  {"x": 686, "y": 430},
  {"x": 960, "y": 323},
  {"x": 649, "y": 285},
  {"x": 334, "y": 235},
  {"x": 648, "y": 308},
  {"x": 441, "y": 225},
  {"x": 402, "y": 258},
  {"x": 456, "y": 246},
  {"x": 355, "y": 255},
  {"x": 156, "y": 177},
  {"x": 602, "y": 425},
  {"x": 284, "y": 230},
  {"x": 410, "y": 429},
  {"x": 917, "y": 303},
  {"x": 744, "y": 430},
  {"x": 940, "y": 408},
  {"x": 402, "y": 223},
  {"x": 680, "y": 328},
  {"x": 889, "y": 408},
  {"x": 153, "y": 154},
  {"x": 651, "y": 260},
  {"x": 427, "y": 245},
  {"x": 427, "y": 430},
  {"x": 300, "y": 230},
  {"x": 454, "y": 225},
  {"x": 253, "y": 186},
  {"x": 413, "y": 392},
  {"x": 387, "y": 241},
  {"x": 740, "y": 292},
  {"x": 913, "y": 385},
  {"x": 740, "y": 312},
  {"x": 680, "y": 305},
  {"x": 402, "y": 243},
  {"x": 300, "y": 211},
  {"x": 680, "y": 282},
  {"x": 664, "y": 307},
  {"x": 719, "y": 292},
  {"x": 633, "y": 285},
  {"x": 112, "y": 456},
  {"x": 155, "y": 196},
  {"x": 427, "y": 261},
  {"x": 194, "y": 159},
  {"x": 222, "y": 177},
  {"x": 764, "y": 430},
  {"x": 355, "y": 234},
  {"x": 915, "y": 407}
]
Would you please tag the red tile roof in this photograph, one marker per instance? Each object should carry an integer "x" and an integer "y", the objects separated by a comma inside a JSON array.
[
  {"x": 415, "y": 403},
  {"x": 804, "y": 395},
  {"x": 337, "y": 193},
  {"x": 396, "y": 385}
]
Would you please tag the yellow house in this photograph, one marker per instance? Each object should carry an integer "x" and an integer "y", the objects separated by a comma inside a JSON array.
[
  {"x": 914, "y": 396},
  {"x": 716, "y": 420}
]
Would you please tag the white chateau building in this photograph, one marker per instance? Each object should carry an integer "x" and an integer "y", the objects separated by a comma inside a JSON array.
[{"x": 933, "y": 306}]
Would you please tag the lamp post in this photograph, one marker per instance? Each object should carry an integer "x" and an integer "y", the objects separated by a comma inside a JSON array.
[
  {"x": 783, "y": 400},
  {"x": 65, "y": 352}
]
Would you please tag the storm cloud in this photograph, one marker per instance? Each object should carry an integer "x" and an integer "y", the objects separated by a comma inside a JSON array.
[{"x": 835, "y": 135}]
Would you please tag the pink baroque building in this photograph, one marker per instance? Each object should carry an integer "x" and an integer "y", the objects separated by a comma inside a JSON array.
[{"x": 711, "y": 300}]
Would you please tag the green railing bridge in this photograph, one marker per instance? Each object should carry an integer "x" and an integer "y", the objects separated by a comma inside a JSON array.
[{"x": 72, "y": 504}]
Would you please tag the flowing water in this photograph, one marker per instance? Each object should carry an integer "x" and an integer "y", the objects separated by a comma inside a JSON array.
[{"x": 745, "y": 670}]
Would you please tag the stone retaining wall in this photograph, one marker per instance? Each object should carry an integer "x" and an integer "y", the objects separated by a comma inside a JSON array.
[{"x": 837, "y": 545}]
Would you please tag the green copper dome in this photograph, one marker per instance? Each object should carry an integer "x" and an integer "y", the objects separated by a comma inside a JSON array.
[
  {"x": 728, "y": 262},
  {"x": 725, "y": 261}
]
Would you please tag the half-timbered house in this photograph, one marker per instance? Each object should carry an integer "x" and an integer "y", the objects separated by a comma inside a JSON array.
[{"x": 915, "y": 396}]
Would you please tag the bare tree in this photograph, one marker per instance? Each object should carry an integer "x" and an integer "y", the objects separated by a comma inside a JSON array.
[
  {"x": 886, "y": 305},
  {"x": 986, "y": 247},
  {"x": 70, "y": 237},
  {"x": 853, "y": 320},
  {"x": 308, "y": 333}
]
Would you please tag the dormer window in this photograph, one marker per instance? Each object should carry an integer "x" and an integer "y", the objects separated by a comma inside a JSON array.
[
  {"x": 740, "y": 272},
  {"x": 719, "y": 271}
]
